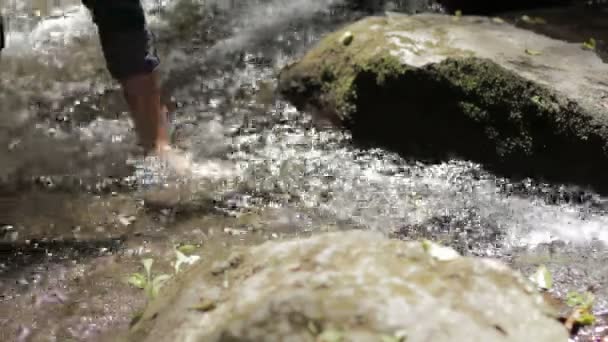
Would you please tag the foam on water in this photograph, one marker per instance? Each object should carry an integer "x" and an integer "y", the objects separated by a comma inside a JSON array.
[
  {"x": 383, "y": 192},
  {"x": 49, "y": 32},
  {"x": 537, "y": 224},
  {"x": 59, "y": 27},
  {"x": 264, "y": 18}
]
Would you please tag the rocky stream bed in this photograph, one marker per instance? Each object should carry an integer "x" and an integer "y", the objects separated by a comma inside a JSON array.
[{"x": 298, "y": 230}]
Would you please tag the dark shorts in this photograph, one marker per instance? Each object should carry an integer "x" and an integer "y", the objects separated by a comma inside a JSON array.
[{"x": 127, "y": 44}]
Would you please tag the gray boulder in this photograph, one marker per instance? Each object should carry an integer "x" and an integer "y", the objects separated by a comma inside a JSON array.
[
  {"x": 436, "y": 86},
  {"x": 348, "y": 286}
]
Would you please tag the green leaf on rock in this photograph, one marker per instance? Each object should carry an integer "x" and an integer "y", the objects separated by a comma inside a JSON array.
[
  {"x": 586, "y": 318},
  {"x": 138, "y": 280},
  {"x": 591, "y": 44},
  {"x": 205, "y": 306},
  {"x": 582, "y": 313},
  {"x": 457, "y": 15},
  {"x": 187, "y": 249},
  {"x": 438, "y": 252},
  {"x": 331, "y": 336},
  {"x": 576, "y": 299},
  {"x": 542, "y": 278},
  {"x": 347, "y": 38},
  {"x": 533, "y": 52},
  {"x": 181, "y": 259}
]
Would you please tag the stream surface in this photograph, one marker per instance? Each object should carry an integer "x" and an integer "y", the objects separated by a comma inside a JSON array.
[{"x": 74, "y": 223}]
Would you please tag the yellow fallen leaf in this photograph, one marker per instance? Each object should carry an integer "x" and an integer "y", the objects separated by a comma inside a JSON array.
[
  {"x": 205, "y": 306},
  {"x": 591, "y": 44},
  {"x": 533, "y": 52}
]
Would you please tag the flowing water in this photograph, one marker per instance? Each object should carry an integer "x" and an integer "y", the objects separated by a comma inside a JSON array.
[{"x": 73, "y": 222}]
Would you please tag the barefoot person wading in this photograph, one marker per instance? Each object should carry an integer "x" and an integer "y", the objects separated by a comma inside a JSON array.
[{"x": 131, "y": 59}]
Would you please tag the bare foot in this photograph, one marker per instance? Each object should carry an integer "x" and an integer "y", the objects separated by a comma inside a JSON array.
[
  {"x": 176, "y": 161},
  {"x": 161, "y": 167}
]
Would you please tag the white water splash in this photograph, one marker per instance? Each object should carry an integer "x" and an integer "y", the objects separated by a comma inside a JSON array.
[
  {"x": 371, "y": 192},
  {"x": 537, "y": 224},
  {"x": 34, "y": 34},
  {"x": 260, "y": 20},
  {"x": 30, "y": 30}
]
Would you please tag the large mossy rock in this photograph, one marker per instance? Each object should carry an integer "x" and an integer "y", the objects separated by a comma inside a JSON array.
[
  {"x": 348, "y": 286},
  {"x": 435, "y": 86}
]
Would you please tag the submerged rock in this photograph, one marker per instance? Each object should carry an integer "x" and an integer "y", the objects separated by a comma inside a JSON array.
[
  {"x": 348, "y": 286},
  {"x": 434, "y": 86}
]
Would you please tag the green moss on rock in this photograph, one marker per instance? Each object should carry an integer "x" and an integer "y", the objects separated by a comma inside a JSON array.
[
  {"x": 332, "y": 83},
  {"x": 430, "y": 87}
]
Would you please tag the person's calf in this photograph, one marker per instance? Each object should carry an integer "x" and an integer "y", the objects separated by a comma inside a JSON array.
[
  {"x": 143, "y": 95},
  {"x": 131, "y": 58}
]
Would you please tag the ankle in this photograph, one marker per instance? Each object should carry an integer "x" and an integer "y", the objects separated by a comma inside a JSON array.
[{"x": 156, "y": 149}]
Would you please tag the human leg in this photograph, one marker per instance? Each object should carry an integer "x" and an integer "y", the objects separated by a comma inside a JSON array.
[{"x": 131, "y": 59}]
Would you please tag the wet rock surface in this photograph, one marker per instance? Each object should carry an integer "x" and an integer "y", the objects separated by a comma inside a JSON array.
[
  {"x": 575, "y": 24},
  {"x": 490, "y": 7},
  {"x": 435, "y": 86},
  {"x": 364, "y": 288}
]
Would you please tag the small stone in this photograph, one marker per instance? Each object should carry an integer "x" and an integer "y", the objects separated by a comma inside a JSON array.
[
  {"x": 14, "y": 144},
  {"x": 126, "y": 220},
  {"x": 347, "y": 38},
  {"x": 205, "y": 306}
]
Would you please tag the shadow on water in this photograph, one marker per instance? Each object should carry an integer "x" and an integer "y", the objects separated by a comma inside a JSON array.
[{"x": 17, "y": 255}]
